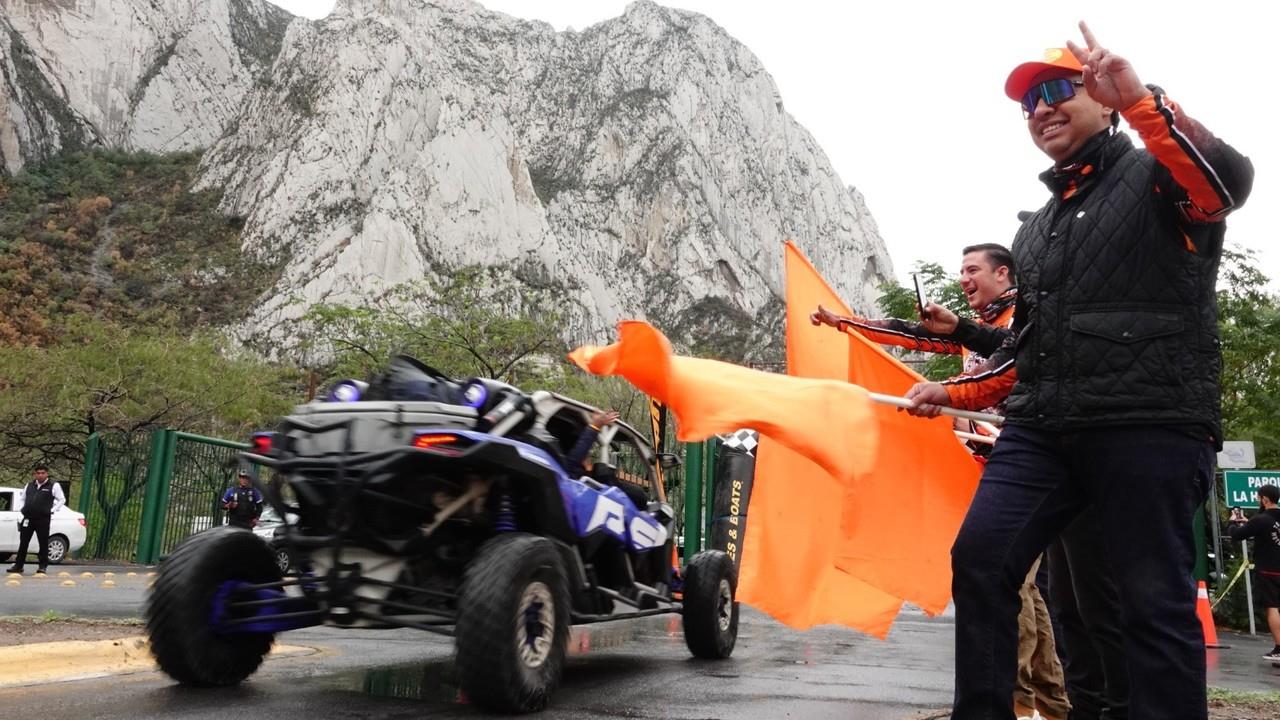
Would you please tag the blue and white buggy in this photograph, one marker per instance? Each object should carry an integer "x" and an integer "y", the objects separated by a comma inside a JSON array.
[{"x": 425, "y": 503}]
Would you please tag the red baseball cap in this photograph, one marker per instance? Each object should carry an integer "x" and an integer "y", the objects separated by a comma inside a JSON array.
[{"x": 1020, "y": 80}]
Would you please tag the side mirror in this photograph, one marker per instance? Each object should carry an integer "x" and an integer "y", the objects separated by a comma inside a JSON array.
[{"x": 669, "y": 460}]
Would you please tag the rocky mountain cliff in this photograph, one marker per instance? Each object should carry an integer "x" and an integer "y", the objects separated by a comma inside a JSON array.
[
  {"x": 157, "y": 75},
  {"x": 644, "y": 166}
]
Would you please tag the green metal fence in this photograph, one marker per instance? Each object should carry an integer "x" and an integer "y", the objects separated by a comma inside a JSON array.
[
  {"x": 699, "y": 477},
  {"x": 144, "y": 493},
  {"x": 112, "y": 493},
  {"x": 199, "y": 470}
]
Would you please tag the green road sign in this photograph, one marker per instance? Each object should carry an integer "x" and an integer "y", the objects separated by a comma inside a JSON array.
[{"x": 1242, "y": 485}]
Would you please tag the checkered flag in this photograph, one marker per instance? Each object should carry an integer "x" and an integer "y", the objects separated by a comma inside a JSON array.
[{"x": 744, "y": 440}]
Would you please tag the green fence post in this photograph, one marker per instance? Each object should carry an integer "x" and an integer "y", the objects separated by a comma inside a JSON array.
[
  {"x": 92, "y": 456},
  {"x": 692, "y": 500},
  {"x": 709, "y": 487},
  {"x": 162, "y": 506},
  {"x": 150, "y": 498}
]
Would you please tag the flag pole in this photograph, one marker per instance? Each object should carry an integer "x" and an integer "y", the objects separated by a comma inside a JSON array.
[
  {"x": 984, "y": 439},
  {"x": 966, "y": 414}
]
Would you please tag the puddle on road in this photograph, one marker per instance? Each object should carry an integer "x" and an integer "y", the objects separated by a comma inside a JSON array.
[{"x": 437, "y": 681}]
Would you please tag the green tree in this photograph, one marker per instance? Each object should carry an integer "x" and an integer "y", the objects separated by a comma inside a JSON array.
[
  {"x": 1249, "y": 324},
  {"x": 121, "y": 236},
  {"x": 899, "y": 301},
  {"x": 101, "y": 377},
  {"x": 466, "y": 324}
]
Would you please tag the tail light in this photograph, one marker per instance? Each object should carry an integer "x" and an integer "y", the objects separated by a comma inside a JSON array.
[
  {"x": 82, "y": 522},
  {"x": 262, "y": 442},
  {"x": 427, "y": 440},
  {"x": 441, "y": 443}
]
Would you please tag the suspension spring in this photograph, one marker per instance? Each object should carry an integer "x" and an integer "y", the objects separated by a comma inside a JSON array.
[{"x": 506, "y": 515}]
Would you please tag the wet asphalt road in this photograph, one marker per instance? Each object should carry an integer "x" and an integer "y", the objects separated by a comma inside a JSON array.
[{"x": 632, "y": 669}]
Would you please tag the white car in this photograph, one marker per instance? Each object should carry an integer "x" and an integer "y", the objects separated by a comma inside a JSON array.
[
  {"x": 66, "y": 528},
  {"x": 269, "y": 526}
]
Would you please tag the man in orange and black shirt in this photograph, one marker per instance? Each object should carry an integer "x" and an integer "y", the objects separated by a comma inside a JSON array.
[
  {"x": 1112, "y": 373},
  {"x": 988, "y": 280},
  {"x": 989, "y": 283}
]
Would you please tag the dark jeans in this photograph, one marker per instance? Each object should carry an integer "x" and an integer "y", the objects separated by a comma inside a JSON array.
[
  {"x": 1146, "y": 483},
  {"x": 39, "y": 526},
  {"x": 1085, "y": 600}
]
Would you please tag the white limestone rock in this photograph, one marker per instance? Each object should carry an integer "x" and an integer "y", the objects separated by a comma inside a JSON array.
[
  {"x": 157, "y": 75},
  {"x": 645, "y": 163}
]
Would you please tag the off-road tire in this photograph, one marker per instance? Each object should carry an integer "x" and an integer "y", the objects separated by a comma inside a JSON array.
[
  {"x": 65, "y": 549},
  {"x": 510, "y": 571},
  {"x": 179, "y": 607},
  {"x": 710, "y": 618}
]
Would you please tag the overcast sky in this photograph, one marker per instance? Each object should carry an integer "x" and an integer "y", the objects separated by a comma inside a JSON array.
[{"x": 907, "y": 99}]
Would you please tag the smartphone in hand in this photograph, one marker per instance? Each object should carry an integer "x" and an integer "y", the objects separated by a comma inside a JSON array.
[{"x": 920, "y": 301}]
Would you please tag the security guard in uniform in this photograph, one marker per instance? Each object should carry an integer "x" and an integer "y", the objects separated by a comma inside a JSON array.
[
  {"x": 242, "y": 502},
  {"x": 41, "y": 500}
]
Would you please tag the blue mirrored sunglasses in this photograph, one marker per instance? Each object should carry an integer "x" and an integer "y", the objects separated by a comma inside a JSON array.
[{"x": 1051, "y": 92}]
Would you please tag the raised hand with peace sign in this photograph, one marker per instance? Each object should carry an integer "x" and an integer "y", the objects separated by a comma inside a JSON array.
[{"x": 1108, "y": 78}]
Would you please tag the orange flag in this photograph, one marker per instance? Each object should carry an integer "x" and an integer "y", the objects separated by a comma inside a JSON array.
[
  {"x": 921, "y": 471},
  {"x": 789, "y": 557},
  {"x": 709, "y": 397},
  {"x": 788, "y": 565}
]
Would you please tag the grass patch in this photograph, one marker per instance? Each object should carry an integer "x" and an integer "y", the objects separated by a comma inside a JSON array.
[
  {"x": 53, "y": 616},
  {"x": 1243, "y": 698}
]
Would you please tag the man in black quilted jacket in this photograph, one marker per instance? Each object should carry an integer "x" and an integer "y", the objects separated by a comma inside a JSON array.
[{"x": 1114, "y": 363}]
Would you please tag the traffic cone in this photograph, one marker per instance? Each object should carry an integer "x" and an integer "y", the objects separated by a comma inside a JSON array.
[{"x": 1205, "y": 613}]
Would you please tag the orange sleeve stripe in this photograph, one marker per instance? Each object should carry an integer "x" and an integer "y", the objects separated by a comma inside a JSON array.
[
  {"x": 982, "y": 391},
  {"x": 1155, "y": 118},
  {"x": 889, "y": 336}
]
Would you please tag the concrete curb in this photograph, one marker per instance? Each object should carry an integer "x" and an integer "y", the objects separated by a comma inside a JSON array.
[{"x": 44, "y": 663}]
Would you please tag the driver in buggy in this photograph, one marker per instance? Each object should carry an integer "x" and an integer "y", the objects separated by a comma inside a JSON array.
[{"x": 578, "y": 460}]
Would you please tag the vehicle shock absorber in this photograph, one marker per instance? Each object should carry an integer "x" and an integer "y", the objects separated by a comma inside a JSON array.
[{"x": 506, "y": 514}]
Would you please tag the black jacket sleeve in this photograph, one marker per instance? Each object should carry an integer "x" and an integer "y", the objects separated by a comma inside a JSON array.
[
  {"x": 981, "y": 338},
  {"x": 573, "y": 463},
  {"x": 1257, "y": 526}
]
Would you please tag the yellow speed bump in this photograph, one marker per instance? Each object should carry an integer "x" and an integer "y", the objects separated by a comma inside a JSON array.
[
  {"x": 86, "y": 574},
  {"x": 43, "y": 663},
  {"x": 108, "y": 574},
  {"x": 13, "y": 583},
  {"x": 131, "y": 574},
  {"x": 68, "y": 583},
  {"x": 64, "y": 573},
  {"x": 108, "y": 583}
]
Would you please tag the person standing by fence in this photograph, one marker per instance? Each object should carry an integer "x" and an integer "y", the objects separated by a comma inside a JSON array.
[
  {"x": 242, "y": 502},
  {"x": 41, "y": 500}
]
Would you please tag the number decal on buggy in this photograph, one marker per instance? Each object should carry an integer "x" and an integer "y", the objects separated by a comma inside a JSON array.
[
  {"x": 609, "y": 514},
  {"x": 644, "y": 535}
]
